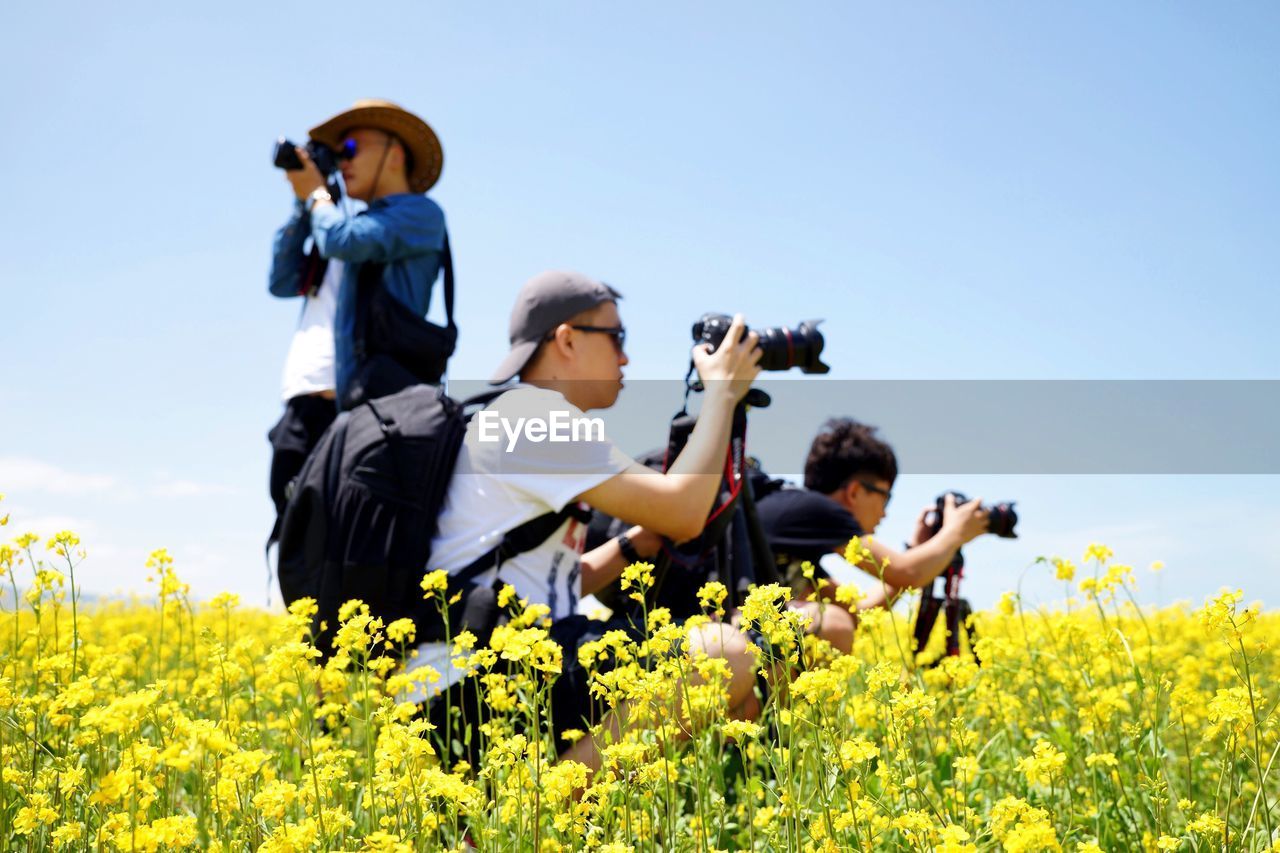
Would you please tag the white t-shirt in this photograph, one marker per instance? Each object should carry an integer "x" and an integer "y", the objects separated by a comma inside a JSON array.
[
  {"x": 308, "y": 367},
  {"x": 500, "y": 484}
]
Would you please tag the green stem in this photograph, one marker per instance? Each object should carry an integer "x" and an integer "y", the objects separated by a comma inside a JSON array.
[{"x": 1257, "y": 750}]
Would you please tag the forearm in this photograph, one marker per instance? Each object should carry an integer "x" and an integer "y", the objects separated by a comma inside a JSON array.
[
  {"x": 916, "y": 567},
  {"x": 337, "y": 236},
  {"x": 603, "y": 565},
  {"x": 380, "y": 236},
  {"x": 287, "y": 256},
  {"x": 675, "y": 504}
]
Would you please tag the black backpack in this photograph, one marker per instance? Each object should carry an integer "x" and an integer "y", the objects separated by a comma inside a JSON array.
[
  {"x": 394, "y": 346},
  {"x": 362, "y": 513}
]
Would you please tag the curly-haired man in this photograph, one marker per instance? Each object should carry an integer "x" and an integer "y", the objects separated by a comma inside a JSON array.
[{"x": 848, "y": 481}]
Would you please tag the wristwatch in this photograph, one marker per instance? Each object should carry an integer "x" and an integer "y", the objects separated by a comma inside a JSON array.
[
  {"x": 317, "y": 195},
  {"x": 629, "y": 552}
]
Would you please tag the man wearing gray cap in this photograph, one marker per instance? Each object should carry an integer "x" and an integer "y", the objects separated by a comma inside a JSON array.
[{"x": 567, "y": 348}]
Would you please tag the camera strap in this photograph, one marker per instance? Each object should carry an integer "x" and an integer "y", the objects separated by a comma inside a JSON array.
[
  {"x": 717, "y": 530},
  {"x": 690, "y": 385},
  {"x": 314, "y": 266}
]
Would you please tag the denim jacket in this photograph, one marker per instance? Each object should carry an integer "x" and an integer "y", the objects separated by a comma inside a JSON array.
[{"x": 404, "y": 231}]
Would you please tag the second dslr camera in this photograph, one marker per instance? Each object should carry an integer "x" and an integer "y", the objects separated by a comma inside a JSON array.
[{"x": 325, "y": 158}]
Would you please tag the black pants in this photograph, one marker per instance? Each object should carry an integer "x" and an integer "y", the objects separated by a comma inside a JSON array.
[{"x": 304, "y": 420}]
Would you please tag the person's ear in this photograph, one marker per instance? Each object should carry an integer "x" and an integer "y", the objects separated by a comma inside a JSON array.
[
  {"x": 395, "y": 155},
  {"x": 562, "y": 339},
  {"x": 846, "y": 493}
]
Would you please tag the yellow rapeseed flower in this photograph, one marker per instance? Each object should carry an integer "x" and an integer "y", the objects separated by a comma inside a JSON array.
[{"x": 434, "y": 582}]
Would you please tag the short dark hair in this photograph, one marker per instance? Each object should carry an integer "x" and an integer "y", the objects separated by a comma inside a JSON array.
[{"x": 844, "y": 449}]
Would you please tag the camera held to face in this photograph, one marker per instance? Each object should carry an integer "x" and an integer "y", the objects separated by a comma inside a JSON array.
[
  {"x": 325, "y": 158},
  {"x": 1001, "y": 517},
  {"x": 783, "y": 348}
]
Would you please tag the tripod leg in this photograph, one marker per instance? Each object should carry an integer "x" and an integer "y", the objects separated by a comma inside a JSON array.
[
  {"x": 953, "y": 627},
  {"x": 966, "y": 616},
  {"x": 926, "y": 618},
  {"x": 764, "y": 569}
]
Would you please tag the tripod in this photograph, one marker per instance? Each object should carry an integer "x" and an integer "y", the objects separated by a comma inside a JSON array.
[
  {"x": 956, "y": 610},
  {"x": 732, "y": 548}
]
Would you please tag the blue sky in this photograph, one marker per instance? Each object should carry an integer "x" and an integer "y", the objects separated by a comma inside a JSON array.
[{"x": 993, "y": 191}]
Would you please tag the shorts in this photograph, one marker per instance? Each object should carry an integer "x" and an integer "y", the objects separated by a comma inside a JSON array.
[{"x": 305, "y": 419}]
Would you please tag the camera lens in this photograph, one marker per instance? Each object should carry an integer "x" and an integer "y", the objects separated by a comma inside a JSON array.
[
  {"x": 1001, "y": 520},
  {"x": 787, "y": 348},
  {"x": 782, "y": 348}
]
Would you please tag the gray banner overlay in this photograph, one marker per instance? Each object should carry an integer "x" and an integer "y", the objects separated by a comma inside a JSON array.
[{"x": 992, "y": 426}]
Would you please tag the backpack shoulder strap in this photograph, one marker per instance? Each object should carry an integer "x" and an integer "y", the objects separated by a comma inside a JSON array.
[
  {"x": 519, "y": 539},
  {"x": 523, "y": 537},
  {"x": 472, "y": 405},
  {"x": 476, "y": 402},
  {"x": 446, "y": 264}
]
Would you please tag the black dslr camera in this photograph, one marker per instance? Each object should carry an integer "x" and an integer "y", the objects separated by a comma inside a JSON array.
[
  {"x": 783, "y": 348},
  {"x": 1001, "y": 520},
  {"x": 325, "y": 158},
  {"x": 1001, "y": 517}
]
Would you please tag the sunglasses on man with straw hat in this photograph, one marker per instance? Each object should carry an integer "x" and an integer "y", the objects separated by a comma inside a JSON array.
[{"x": 329, "y": 144}]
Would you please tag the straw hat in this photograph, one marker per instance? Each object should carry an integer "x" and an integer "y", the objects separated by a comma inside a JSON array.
[{"x": 416, "y": 134}]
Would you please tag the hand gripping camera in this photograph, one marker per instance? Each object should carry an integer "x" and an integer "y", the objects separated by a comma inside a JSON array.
[
  {"x": 1001, "y": 517},
  {"x": 783, "y": 348},
  {"x": 285, "y": 157},
  {"x": 326, "y": 159},
  {"x": 1001, "y": 520}
]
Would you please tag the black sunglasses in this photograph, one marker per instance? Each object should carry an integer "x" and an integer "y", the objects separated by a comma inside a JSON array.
[
  {"x": 618, "y": 333},
  {"x": 887, "y": 494}
]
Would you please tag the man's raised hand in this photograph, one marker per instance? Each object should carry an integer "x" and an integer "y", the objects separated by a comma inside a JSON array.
[
  {"x": 306, "y": 180},
  {"x": 734, "y": 365}
]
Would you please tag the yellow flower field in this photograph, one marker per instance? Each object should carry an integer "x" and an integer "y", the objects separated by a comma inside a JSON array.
[{"x": 161, "y": 724}]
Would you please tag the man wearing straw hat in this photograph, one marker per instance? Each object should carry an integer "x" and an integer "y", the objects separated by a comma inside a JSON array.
[{"x": 389, "y": 158}]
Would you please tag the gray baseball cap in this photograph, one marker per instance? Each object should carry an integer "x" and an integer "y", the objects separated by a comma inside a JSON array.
[{"x": 547, "y": 300}]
